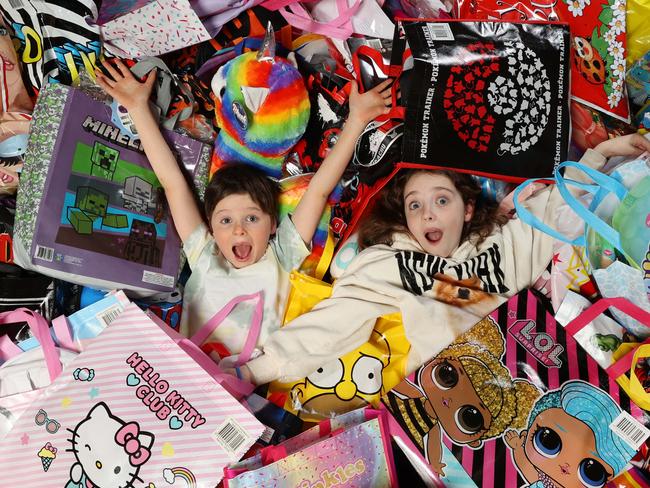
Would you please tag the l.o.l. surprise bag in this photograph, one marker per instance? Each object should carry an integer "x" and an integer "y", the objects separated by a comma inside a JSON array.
[
  {"x": 516, "y": 402},
  {"x": 148, "y": 415}
]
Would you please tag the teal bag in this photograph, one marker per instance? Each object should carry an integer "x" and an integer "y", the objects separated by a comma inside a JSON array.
[{"x": 601, "y": 240}]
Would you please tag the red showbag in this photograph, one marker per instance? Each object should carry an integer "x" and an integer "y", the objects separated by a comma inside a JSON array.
[{"x": 598, "y": 43}]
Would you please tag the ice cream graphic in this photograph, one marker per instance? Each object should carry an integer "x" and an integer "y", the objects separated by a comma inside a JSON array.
[{"x": 47, "y": 455}]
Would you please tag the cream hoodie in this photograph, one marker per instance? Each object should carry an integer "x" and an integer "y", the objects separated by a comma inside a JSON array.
[{"x": 439, "y": 298}]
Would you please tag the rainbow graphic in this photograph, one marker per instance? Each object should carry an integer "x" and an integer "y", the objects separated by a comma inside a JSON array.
[
  {"x": 317, "y": 263},
  {"x": 171, "y": 474},
  {"x": 259, "y": 135}
]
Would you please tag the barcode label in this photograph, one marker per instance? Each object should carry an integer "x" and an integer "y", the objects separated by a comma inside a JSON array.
[
  {"x": 267, "y": 435},
  {"x": 630, "y": 430},
  {"x": 158, "y": 279},
  {"x": 231, "y": 436},
  {"x": 107, "y": 316},
  {"x": 45, "y": 253},
  {"x": 440, "y": 32}
]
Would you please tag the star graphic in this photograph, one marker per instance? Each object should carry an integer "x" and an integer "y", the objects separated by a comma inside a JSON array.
[
  {"x": 24, "y": 439},
  {"x": 556, "y": 258},
  {"x": 512, "y": 314},
  {"x": 66, "y": 402},
  {"x": 94, "y": 392}
]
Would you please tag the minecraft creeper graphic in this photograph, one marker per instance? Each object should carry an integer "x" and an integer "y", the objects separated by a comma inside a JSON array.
[
  {"x": 104, "y": 161},
  {"x": 92, "y": 204}
]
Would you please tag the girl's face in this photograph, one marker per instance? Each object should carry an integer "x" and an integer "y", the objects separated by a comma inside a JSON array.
[
  {"x": 241, "y": 229},
  {"x": 435, "y": 212},
  {"x": 563, "y": 448},
  {"x": 461, "y": 412}
]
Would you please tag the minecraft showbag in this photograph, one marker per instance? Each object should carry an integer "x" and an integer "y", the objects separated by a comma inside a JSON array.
[
  {"x": 493, "y": 98},
  {"x": 90, "y": 209}
]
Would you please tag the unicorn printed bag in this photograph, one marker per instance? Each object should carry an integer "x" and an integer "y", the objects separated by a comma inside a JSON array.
[
  {"x": 134, "y": 409},
  {"x": 516, "y": 402}
]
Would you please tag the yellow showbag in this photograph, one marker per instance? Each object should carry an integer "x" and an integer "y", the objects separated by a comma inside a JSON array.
[
  {"x": 355, "y": 380},
  {"x": 638, "y": 29}
]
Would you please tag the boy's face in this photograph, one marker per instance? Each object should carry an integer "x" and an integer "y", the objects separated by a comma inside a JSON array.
[
  {"x": 241, "y": 229},
  {"x": 435, "y": 212}
]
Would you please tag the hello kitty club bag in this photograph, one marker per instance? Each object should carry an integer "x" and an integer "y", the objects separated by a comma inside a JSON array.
[{"x": 148, "y": 415}]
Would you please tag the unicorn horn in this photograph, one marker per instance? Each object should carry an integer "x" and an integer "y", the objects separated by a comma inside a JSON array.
[{"x": 267, "y": 49}]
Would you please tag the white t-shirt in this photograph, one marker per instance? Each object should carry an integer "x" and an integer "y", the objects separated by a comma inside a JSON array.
[{"x": 214, "y": 282}]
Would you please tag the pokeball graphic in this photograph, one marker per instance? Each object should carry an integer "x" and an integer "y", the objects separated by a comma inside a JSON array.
[{"x": 512, "y": 91}]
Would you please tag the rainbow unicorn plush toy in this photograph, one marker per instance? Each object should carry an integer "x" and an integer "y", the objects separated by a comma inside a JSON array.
[{"x": 262, "y": 108}]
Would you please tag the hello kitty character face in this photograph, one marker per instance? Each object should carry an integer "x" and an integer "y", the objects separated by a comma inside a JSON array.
[{"x": 109, "y": 451}]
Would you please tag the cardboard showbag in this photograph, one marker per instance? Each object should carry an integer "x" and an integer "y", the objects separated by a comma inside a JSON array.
[
  {"x": 351, "y": 450},
  {"x": 516, "y": 402},
  {"x": 90, "y": 209},
  {"x": 494, "y": 98},
  {"x": 148, "y": 415}
]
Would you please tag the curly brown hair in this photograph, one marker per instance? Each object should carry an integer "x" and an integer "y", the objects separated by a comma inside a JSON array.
[{"x": 387, "y": 216}]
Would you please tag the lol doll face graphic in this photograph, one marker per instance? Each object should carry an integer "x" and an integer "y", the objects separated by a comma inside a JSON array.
[
  {"x": 456, "y": 404},
  {"x": 563, "y": 450}
]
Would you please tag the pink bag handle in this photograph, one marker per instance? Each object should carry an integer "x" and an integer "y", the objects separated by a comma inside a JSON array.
[
  {"x": 236, "y": 387},
  {"x": 253, "y": 333},
  {"x": 623, "y": 304},
  {"x": 8, "y": 349},
  {"x": 41, "y": 331},
  {"x": 62, "y": 331},
  {"x": 340, "y": 27}
]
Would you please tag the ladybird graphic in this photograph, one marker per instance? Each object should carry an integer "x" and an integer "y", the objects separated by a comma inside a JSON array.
[{"x": 588, "y": 61}]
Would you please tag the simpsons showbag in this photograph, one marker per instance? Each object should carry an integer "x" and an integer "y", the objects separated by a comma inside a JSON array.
[
  {"x": 132, "y": 410},
  {"x": 354, "y": 380},
  {"x": 494, "y": 97},
  {"x": 516, "y": 402},
  {"x": 90, "y": 209}
]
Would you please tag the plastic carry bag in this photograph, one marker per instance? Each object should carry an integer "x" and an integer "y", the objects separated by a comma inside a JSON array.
[
  {"x": 150, "y": 399},
  {"x": 352, "y": 381},
  {"x": 515, "y": 401},
  {"x": 90, "y": 210},
  {"x": 352, "y": 451},
  {"x": 597, "y": 51},
  {"x": 23, "y": 375},
  {"x": 494, "y": 100},
  {"x": 54, "y": 41},
  {"x": 162, "y": 18}
]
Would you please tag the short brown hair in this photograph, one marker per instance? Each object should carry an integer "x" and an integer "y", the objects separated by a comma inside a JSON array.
[
  {"x": 387, "y": 216},
  {"x": 238, "y": 179}
]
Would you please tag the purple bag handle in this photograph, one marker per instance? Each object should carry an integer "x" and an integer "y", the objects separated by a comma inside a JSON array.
[
  {"x": 253, "y": 334},
  {"x": 41, "y": 331}
]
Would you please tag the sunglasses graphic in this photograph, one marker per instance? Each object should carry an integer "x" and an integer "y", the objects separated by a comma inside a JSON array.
[{"x": 52, "y": 426}]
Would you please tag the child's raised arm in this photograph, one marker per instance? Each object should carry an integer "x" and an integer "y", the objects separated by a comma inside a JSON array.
[
  {"x": 363, "y": 109},
  {"x": 134, "y": 96}
]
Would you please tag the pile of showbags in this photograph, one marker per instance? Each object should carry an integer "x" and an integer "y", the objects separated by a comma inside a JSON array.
[{"x": 101, "y": 386}]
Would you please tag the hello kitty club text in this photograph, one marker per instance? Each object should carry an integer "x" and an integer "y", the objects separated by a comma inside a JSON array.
[{"x": 151, "y": 388}]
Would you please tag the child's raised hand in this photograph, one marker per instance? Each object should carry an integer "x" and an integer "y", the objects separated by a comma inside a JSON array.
[
  {"x": 371, "y": 104},
  {"x": 629, "y": 145},
  {"x": 123, "y": 86}
]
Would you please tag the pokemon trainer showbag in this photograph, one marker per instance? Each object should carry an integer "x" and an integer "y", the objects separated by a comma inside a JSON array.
[{"x": 133, "y": 410}]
